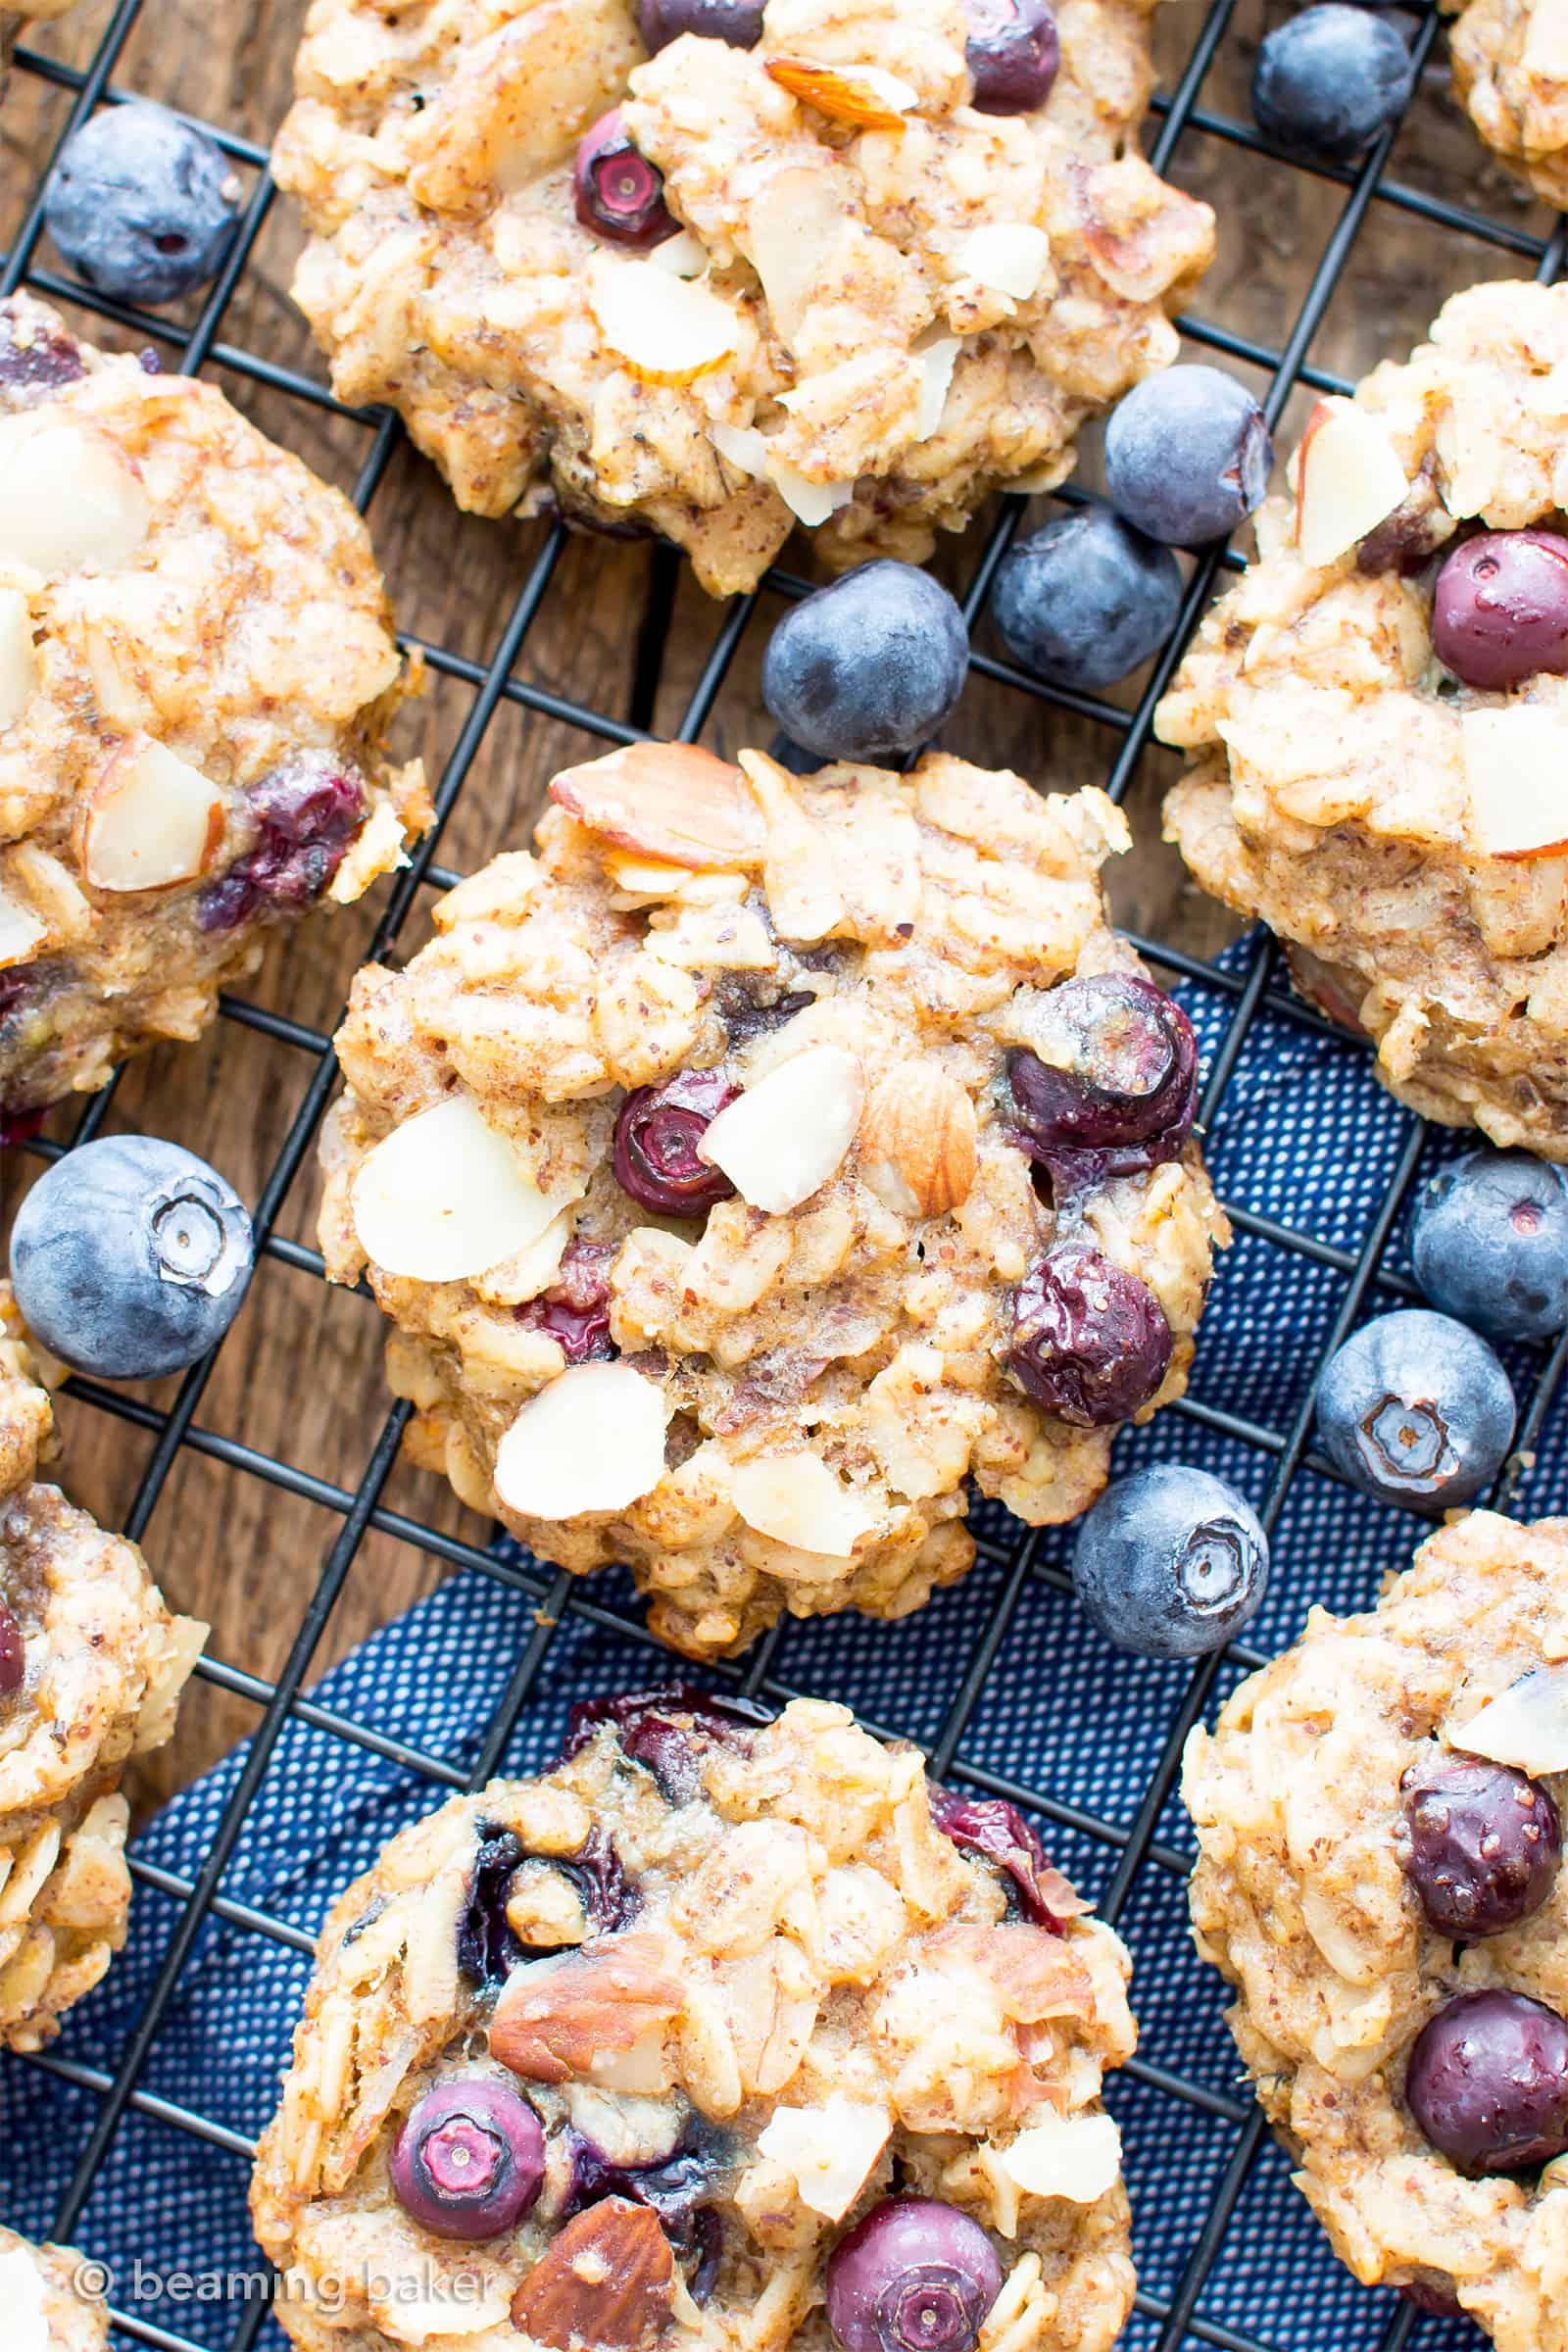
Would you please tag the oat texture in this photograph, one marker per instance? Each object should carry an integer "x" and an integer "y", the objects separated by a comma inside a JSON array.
[
  {"x": 1300, "y": 1899},
  {"x": 196, "y": 669},
  {"x": 876, "y": 325},
  {"x": 1339, "y": 784},
  {"x": 47, "y": 2309},
  {"x": 105, "y": 1664},
  {"x": 815, "y": 1994},
  {"x": 827, "y": 1369},
  {"x": 1510, "y": 69}
]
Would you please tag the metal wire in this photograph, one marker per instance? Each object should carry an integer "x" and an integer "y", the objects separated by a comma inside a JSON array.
[{"x": 1130, "y": 1847}]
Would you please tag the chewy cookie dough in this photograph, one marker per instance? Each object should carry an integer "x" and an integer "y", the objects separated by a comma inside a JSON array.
[
  {"x": 196, "y": 670},
  {"x": 47, "y": 2306},
  {"x": 760, "y": 1158},
  {"x": 1402, "y": 830},
  {"x": 627, "y": 2051},
  {"x": 881, "y": 303},
  {"x": 1510, "y": 69},
  {"x": 91, "y": 1668},
  {"x": 1379, "y": 1879}
]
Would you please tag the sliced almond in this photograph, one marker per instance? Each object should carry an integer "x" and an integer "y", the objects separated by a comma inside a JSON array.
[
  {"x": 741, "y": 446},
  {"x": 938, "y": 356},
  {"x": 592, "y": 1441},
  {"x": 153, "y": 820},
  {"x": 607, "y": 2278},
  {"x": 67, "y": 499},
  {"x": 780, "y": 1141},
  {"x": 668, "y": 330},
  {"x": 795, "y": 1498},
  {"x": 680, "y": 256},
  {"x": 1516, "y": 776},
  {"x": 21, "y": 929},
  {"x": 811, "y": 503},
  {"x": 444, "y": 1196},
  {"x": 22, "y": 2294},
  {"x": 19, "y": 664},
  {"x": 1008, "y": 256},
  {"x": 1349, "y": 477},
  {"x": 1073, "y": 2156},
  {"x": 1525, "y": 1726},
  {"x": 865, "y": 95},
  {"x": 669, "y": 801},
  {"x": 829, "y": 2151},
  {"x": 797, "y": 223},
  {"x": 555, "y": 2018}
]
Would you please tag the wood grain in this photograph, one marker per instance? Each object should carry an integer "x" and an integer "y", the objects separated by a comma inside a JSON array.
[{"x": 300, "y": 1377}]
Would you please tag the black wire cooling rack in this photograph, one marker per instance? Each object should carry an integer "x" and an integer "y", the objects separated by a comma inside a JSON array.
[{"x": 1342, "y": 201}]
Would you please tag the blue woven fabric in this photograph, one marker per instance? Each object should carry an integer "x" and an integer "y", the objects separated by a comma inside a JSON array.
[{"x": 1304, "y": 1136}]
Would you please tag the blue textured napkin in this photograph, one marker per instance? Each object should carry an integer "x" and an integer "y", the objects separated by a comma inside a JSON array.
[{"x": 1304, "y": 1136}]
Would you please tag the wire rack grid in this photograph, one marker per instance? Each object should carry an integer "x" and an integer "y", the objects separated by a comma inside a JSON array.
[{"x": 1248, "y": 994}]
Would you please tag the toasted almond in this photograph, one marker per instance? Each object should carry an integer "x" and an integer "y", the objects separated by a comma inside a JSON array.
[
  {"x": 606, "y": 2280},
  {"x": 1348, "y": 476},
  {"x": 669, "y": 801},
  {"x": 21, "y": 929},
  {"x": 830, "y": 2150},
  {"x": 1035, "y": 1973},
  {"x": 918, "y": 1141},
  {"x": 781, "y": 1141},
  {"x": 553, "y": 2017},
  {"x": 68, "y": 498},
  {"x": 19, "y": 664},
  {"x": 938, "y": 356},
  {"x": 592, "y": 1441},
  {"x": 445, "y": 1196},
  {"x": 863, "y": 95},
  {"x": 1073, "y": 2156},
  {"x": 1516, "y": 776},
  {"x": 153, "y": 820},
  {"x": 741, "y": 446},
  {"x": 1008, "y": 256},
  {"x": 667, "y": 330},
  {"x": 1525, "y": 1726},
  {"x": 795, "y": 1498},
  {"x": 811, "y": 503}
]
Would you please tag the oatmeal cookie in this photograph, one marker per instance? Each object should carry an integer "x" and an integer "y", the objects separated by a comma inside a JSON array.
[
  {"x": 801, "y": 280},
  {"x": 196, "y": 669},
  {"x": 1402, "y": 829},
  {"x": 645, "y": 2040},
  {"x": 760, "y": 1158},
  {"x": 91, "y": 1668},
  {"x": 47, "y": 2305},
  {"x": 1510, "y": 69},
  {"x": 1379, "y": 1879}
]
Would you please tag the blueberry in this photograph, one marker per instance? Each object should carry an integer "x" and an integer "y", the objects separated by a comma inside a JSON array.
[
  {"x": 1415, "y": 1408},
  {"x": 470, "y": 2160},
  {"x": 1187, "y": 456},
  {"x": 990, "y": 1826},
  {"x": 1012, "y": 52},
  {"x": 575, "y": 1309},
  {"x": 1109, "y": 1084},
  {"x": 619, "y": 193},
  {"x": 306, "y": 810},
  {"x": 130, "y": 1257},
  {"x": 1328, "y": 81},
  {"x": 1480, "y": 1843},
  {"x": 874, "y": 664},
  {"x": 13, "y": 1653},
  {"x": 665, "y": 1730},
  {"x": 1489, "y": 1244},
  {"x": 738, "y": 22},
  {"x": 1487, "y": 2081},
  {"x": 656, "y": 1134},
  {"x": 1089, "y": 1342},
  {"x": 913, "y": 2276},
  {"x": 1499, "y": 609},
  {"x": 143, "y": 205},
  {"x": 1085, "y": 600},
  {"x": 1170, "y": 1562}
]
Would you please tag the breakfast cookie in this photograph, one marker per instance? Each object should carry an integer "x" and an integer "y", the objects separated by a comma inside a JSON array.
[
  {"x": 736, "y": 2026},
  {"x": 1377, "y": 714},
  {"x": 91, "y": 1668},
  {"x": 1377, "y": 1818},
  {"x": 760, "y": 1158},
  {"x": 851, "y": 266},
  {"x": 196, "y": 669},
  {"x": 47, "y": 2303},
  {"x": 1510, "y": 69}
]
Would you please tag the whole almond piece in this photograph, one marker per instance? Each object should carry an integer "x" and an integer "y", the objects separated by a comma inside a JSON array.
[
  {"x": 608, "y": 2281},
  {"x": 666, "y": 800},
  {"x": 865, "y": 95},
  {"x": 550, "y": 2025},
  {"x": 918, "y": 1141}
]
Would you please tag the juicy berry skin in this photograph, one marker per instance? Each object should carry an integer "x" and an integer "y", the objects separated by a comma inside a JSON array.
[
  {"x": 130, "y": 1257},
  {"x": 656, "y": 1135},
  {"x": 1487, "y": 2081},
  {"x": 575, "y": 1309},
  {"x": 1489, "y": 1244},
  {"x": 665, "y": 1731},
  {"x": 913, "y": 2276},
  {"x": 619, "y": 194},
  {"x": 1089, "y": 1342},
  {"x": 306, "y": 810},
  {"x": 1012, "y": 54},
  {"x": 13, "y": 1654},
  {"x": 1328, "y": 81},
  {"x": 873, "y": 663},
  {"x": 1114, "y": 1089},
  {"x": 1170, "y": 1562},
  {"x": 739, "y": 23},
  {"x": 143, "y": 205},
  {"x": 470, "y": 2160},
  {"x": 1187, "y": 456},
  {"x": 1084, "y": 601},
  {"x": 1480, "y": 1843},
  {"x": 1415, "y": 1408},
  {"x": 1499, "y": 609},
  {"x": 990, "y": 1826}
]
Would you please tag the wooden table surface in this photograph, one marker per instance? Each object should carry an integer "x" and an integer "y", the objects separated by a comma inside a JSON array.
[{"x": 300, "y": 1376}]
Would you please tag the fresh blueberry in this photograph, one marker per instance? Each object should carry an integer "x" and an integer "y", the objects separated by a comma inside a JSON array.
[
  {"x": 470, "y": 2160},
  {"x": 1489, "y": 1244},
  {"x": 1415, "y": 1408},
  {"x": 1499, "y": 609},
  {"x": 655, "y": 1151},
  {"x": 1328, "y": 81},
  {"x": 619, "y": 194},
  {"x": 130, "y": 1257},
  {"x": 738, "y": 22},
  {"x": 913, "y": 2276},
  {"x": 1170, "y": 1562},
  {"x": 1089, "y": 1342},
  {"x": 143, "y": 205},
  {"x": 1086, "y": 599},
  {"x": 1187, "y": 456},
  {"x": 1487, "y": 2081},
  {"x": 874, "y": 664},
  {"x": 1480, "y": 1843},
  {"x": 1012, "y": 54}
]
